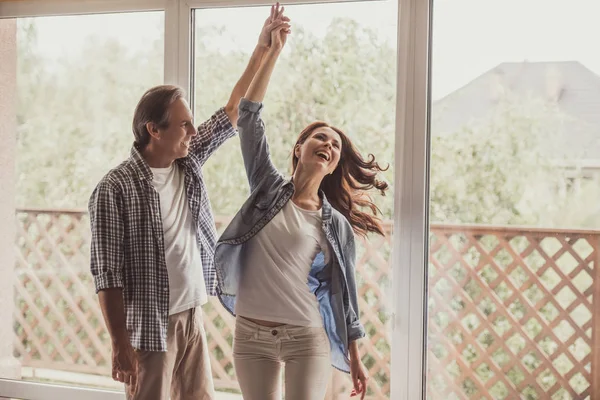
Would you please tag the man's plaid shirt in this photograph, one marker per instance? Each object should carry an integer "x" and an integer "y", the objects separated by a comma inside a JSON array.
[{"x": 127, "y": 248}]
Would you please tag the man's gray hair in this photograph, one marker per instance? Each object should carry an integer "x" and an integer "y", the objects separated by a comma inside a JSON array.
[{"x": 154, "y": 107}]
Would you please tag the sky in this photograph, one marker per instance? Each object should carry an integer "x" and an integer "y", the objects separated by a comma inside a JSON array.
[{"x": 469, "y": 36}]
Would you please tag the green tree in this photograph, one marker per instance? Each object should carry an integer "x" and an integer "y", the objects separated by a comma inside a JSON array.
[
  {"x": 74, "y": 124},
  {"x": 346, "y": 78},
  {"x": 495, "y": 171},
  {"x": 506, "y": 169},
  {"x": 74, "y": 118}
]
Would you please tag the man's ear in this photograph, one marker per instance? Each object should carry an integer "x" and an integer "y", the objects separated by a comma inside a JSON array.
[{"x": 153, "y": 130}]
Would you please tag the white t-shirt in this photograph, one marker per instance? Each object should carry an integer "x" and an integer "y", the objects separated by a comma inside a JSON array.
[
  {"x": 184, "y": 265},
  {"x": 273, "y": 286}
]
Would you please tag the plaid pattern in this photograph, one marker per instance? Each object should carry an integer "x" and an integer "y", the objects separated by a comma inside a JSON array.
[{"x": 127, "y": 248}]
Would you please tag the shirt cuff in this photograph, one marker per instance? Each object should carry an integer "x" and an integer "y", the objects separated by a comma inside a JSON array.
[
  {"x": 224, "y": 121},
  {"x": 252, "y": 106},
  {"x": 356, "y": 331},
  {"x": 107, "y": 280}
]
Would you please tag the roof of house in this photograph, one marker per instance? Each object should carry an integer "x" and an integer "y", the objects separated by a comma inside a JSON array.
[{"x": 572, "y": 87}]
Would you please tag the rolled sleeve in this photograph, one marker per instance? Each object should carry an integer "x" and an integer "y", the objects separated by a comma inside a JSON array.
[
  {"x": 356, "y": 331},
  {"x": 107, "y": 253},
  {"x": 212, "y": 133},
  {"x": 107, "y": 280},
  {"x": 252, "y": 106}
]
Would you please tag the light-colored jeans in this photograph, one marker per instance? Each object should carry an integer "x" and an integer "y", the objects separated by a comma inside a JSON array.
[
  {"x": 259, "y": 352},
  {"x": 183, "y": 371}
]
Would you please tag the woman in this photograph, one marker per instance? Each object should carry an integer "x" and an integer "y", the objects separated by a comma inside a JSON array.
[{"x": 289, "y": 232}]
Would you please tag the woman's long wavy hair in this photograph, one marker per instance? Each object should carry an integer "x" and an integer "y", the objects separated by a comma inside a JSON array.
[{"x": 347, "y": 187}]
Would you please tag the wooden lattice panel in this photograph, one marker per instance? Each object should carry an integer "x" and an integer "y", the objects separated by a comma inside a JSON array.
[
  {"x": 59, "y": 325},
  {"x": 58, "y": 320},
  {"x": 374, "y": 290},
  {"x": 511, "y": 313},
  {"x": 219, "y": 326}
]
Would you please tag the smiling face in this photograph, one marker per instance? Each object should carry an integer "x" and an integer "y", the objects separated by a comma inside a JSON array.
[
  {"x": 321, "y": 151},
  {"x": 173, "y": 141}
]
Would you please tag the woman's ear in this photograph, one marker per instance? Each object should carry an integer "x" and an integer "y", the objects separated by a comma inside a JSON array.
[{"x": 297, "y": 151}]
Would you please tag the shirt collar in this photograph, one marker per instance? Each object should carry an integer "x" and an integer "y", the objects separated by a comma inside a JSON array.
[
  {"x": 142, "y": 167},
  {"x": 140, "y": 164}
]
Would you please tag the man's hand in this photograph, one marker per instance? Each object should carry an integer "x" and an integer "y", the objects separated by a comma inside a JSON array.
[
  {"x": 125, "y": 365},
  {"x": 124, "y": 360},
  {"x": 275, "y": 20}
]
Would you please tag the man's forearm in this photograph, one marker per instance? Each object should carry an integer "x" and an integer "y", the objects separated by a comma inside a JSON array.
[
  {"x": 243, "y": 83},
  {"x": 113, "y": 310}
]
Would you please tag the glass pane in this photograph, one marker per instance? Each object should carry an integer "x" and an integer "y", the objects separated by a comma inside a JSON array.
[
  {"x": 515, "y": 178},
  {"x": 72, "y": 83},
  {"x": 339, "y": 65}
]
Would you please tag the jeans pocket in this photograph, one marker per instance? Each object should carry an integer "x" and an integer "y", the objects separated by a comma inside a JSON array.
[
  {"x": 310, "y": 342},
  {"x": 309, "y": 335},
  {"x": 242, "y": 333}
]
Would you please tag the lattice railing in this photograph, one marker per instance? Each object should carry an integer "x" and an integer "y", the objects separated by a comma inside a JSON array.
[
  {"x": 58, "y": 320},
  {"x": 59, "y": 325},
  {"x": 510, "y": 310},
  {"x": 511, "y": 313}
]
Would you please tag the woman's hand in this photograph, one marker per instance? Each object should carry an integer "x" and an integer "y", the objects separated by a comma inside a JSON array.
[
  {"x": 275, "y": 19},
  {"x": 358, "y": 372},
  {"x": 279, "y": 37}
]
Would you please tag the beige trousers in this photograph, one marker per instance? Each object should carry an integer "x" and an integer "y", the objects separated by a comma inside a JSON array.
[
  {"x": 183, "y": 371},
  {"x": 259, "y": 352}
]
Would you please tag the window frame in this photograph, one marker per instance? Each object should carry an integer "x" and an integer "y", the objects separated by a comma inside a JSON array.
[
  {"x": 411, "y": 201},
  {"x": 411, "y": 183}
]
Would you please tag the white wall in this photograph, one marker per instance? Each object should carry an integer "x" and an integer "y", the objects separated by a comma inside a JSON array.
[{"x": 9, "y": 366}]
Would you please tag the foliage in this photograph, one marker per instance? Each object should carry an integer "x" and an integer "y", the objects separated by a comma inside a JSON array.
[{"x": 74, "y": 123}]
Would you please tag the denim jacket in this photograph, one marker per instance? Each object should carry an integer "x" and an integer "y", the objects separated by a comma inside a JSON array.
[{"x": 333, "y": 283}]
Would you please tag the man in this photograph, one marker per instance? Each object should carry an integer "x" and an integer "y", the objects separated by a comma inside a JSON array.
[{"x": 153, "y": 238}]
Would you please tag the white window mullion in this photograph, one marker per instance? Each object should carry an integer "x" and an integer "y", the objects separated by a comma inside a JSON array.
[
  {"x": 410, "y": 203},
  {"x": 171, "y": 42},
  {"x": 185, "y": 49},
  {"x": 178, "y": 45}
]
